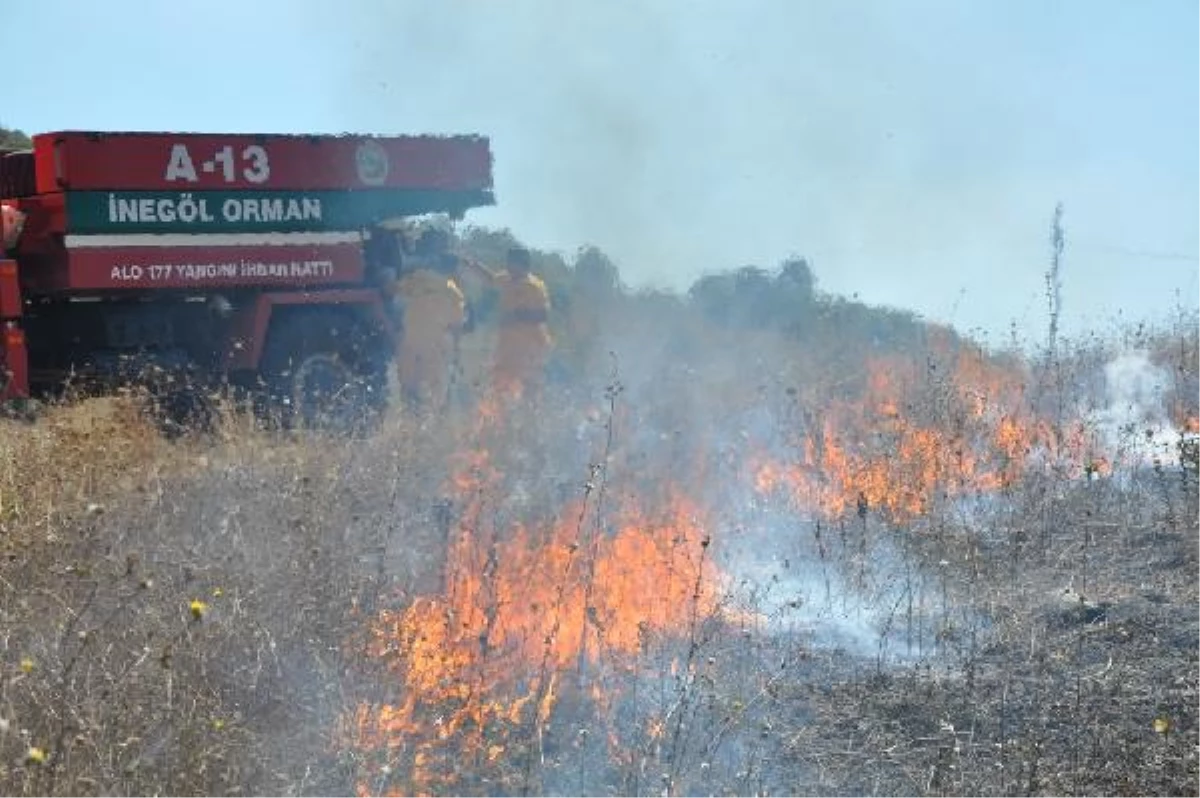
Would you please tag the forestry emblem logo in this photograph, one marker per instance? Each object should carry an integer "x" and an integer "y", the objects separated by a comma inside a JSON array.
[{"x": 371, "y": 159}]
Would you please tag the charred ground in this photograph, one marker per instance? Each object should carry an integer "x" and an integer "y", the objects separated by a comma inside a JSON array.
[{"x": 775, "y": 542}]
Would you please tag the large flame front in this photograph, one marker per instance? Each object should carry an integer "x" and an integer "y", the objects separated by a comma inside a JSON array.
[
  {"x": 912, "y": 439},
  {"x": 478, "y": 668}
]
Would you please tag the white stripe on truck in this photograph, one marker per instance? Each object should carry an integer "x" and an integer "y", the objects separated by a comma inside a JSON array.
[{"x": 213, "y": 240}]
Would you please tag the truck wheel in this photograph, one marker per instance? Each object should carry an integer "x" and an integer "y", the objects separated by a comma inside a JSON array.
[
  {"x": 182, "y": 410},
  {"x": 324, "y": 370}
]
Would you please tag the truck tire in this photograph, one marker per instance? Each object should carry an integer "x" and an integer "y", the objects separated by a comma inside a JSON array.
[
  {"x": 324, "y": 369},
  {"x": 187, "y": 408}
]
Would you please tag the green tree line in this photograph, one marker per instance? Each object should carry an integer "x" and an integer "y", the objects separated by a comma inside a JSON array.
[{"x": 13, "y": 139}]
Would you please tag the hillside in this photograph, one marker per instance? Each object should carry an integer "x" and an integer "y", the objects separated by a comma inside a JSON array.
[{"x": 756, "y": 540}]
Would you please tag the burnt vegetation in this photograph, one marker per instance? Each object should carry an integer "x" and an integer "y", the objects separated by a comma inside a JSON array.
[{"x": 757, "y": 540}]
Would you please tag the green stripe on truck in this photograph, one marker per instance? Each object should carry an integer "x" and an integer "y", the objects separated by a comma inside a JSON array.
[{"x": 124, "y": 212}]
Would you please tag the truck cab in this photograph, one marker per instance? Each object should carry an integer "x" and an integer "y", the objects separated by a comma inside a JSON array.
[{"x": 256, "y": 261}]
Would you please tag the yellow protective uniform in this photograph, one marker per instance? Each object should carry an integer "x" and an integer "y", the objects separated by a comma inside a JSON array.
[
  {"x": 434, "y": 313},
  {"x": 524, "y": 341}
]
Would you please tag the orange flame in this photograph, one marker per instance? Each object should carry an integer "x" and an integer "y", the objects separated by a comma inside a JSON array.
[
  {"x": 523, "y": 607},
  {"x": 914, "y": 439}
]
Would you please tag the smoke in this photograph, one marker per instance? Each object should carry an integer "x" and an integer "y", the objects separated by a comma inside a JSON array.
[
  {"x": 792, "y": 570},
  {"x": 1134, "y": 425},
  {"x": 909, "y": 151},
  {"x": 912, "y": 151}
]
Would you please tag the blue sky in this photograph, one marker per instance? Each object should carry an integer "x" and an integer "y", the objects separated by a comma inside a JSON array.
[{"x": 914, "y": 151}]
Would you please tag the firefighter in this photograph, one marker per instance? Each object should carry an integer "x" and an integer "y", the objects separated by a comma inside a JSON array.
[
  {"x": 524, "y": 341},
  {"x": 434, "y": 311}
]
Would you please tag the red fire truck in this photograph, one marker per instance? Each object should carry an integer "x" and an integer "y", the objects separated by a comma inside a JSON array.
[{"x": 254, "y": 261}]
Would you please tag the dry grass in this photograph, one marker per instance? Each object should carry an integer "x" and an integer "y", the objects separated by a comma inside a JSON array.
[{"x": 111, "y": 533}]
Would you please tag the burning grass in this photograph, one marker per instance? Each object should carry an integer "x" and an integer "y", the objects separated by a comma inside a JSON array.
[
  {"x": 705, "y": 580},
  {"x": 522, "y": 609}
]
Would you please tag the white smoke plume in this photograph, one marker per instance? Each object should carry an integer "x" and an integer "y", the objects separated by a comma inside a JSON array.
[{"x": 1134, "y": 426}]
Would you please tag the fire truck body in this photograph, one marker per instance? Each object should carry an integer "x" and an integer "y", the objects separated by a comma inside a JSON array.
[{"x": 246, "y": 258}]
